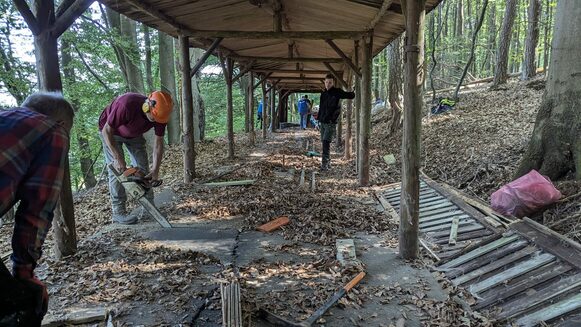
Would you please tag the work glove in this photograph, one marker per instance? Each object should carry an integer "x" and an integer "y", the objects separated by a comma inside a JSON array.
[{"x": 25, "y": 275}]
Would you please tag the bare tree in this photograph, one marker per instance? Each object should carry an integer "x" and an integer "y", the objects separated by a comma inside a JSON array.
[
  {"x": 529, "y": 67},
  {"x": 501, "y": 74}
]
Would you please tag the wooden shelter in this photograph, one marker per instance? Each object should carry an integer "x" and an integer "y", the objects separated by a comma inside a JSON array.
[{"x": 289, "y": 45}]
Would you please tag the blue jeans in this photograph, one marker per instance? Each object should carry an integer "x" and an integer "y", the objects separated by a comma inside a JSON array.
[
  {"x": 304, "y": 120},
  {"x": 138, "y": 155}
]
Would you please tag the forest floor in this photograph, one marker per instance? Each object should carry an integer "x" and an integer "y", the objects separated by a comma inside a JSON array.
[{"x": 150, "y": 277}]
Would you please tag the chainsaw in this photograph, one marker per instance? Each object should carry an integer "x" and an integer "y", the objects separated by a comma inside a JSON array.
[{"x": 136, "y": 185}]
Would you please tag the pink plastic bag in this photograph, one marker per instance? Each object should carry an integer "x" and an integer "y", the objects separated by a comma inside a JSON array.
[{"x": 525, "y": 195}]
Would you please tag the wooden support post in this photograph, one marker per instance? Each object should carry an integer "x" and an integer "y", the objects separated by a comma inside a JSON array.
[
  {"x": 262, "y": 80},
  {"x": 272, "y": 108},
  {"x": 264, "y": 110},
  {"x": 230, "y": 115},
  {"x": 204, "y": 57},
  {"x": 357, "y": 104},
  {"x": 346, "y": 59},
  {"x": 414, "y": 12},
  {"x": 349, "y": 123},
  {"x": 251, "y": 104},
  {"x": 365, "y": 111},
  {"x": 187, "y": 112},
  {"x": 313, "y": 182}
]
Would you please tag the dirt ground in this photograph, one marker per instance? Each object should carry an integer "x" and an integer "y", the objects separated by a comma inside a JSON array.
[{"x": 475, "y": 147}]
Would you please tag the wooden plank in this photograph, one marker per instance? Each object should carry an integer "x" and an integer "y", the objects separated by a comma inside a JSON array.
[
  {"x": 445, "y": 226},
  {"x": 423, "y": 193},
  {"x": 527, "y": 281},
  {"x": 76, "y": 316},
  {"x": 517, "y": 270},
  {"x": 427, "y": 248},
  {"x": 487, "y": 258},
  {"x": 493, "y": 265},
  {"x": 448, "y": 214},
  {"x": 547, "y": 293},
  {"x": 274, "y": 224},
  {"x": 551, "y": 311},
  {"x": 302, "y": 178},
  {"x": 346, "y": 251},
  {"x": 444, "y": 220},
  {"x": 480, "y": 251},
  {"x": 230, "y": 183},
  {"x": 465, "y": 229},
  {"x": 549, "y": 240},
  {"x": 424, "y": 213},
  {"x": 466, "y": 236},
  {"x": 388, "y": 209},
  {"x": 453, "y": 231}
]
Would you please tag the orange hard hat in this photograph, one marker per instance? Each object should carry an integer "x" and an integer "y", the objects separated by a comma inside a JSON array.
[{"x": 161, "y": 106}]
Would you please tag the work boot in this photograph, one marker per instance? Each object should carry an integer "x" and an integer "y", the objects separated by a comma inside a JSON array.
[{"x": 123, "y": 218}]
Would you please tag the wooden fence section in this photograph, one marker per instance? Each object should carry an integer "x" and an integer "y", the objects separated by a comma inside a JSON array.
[
  {"x": 528, "y": 276},
  {"x": 521, "y": 273},
  {"x": 448, "y": 224}
]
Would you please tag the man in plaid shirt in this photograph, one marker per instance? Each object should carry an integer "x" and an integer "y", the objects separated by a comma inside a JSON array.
[{"x": 35, "y": 143}]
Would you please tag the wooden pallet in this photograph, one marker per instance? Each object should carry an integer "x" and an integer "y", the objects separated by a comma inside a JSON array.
[
  {"x": 442, "y": 213},
  {"x": 527, "y": 276}
]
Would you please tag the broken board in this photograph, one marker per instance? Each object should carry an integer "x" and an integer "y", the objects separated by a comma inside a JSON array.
[
  {"x": 346, "y": 252},
  {"x": 274, "y": 224}
]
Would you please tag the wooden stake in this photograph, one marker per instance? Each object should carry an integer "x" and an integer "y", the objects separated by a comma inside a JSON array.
[
  {"x": 454, "y": 231},
  {"x": 313, "y": 182},
  {"x": 302, "y": 178}
]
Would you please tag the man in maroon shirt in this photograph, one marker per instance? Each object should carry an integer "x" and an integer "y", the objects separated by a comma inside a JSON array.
[{"x": 124, "y": 122}]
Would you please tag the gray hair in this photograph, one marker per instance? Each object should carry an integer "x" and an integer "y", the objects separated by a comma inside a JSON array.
[{"x": 51, "y": 104}]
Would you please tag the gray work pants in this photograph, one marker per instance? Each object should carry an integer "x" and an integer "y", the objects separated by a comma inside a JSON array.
[{"x": 138, "y": 155}]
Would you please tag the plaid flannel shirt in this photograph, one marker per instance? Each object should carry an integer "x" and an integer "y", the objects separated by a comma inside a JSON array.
[{"x": 32, "y": 153}]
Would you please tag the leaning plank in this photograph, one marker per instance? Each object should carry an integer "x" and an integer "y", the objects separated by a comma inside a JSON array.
[
  {"x": 533, "y": 278},
  {"x": 274, "y": 224},
  {"x": 388, "y": 208},
  {"x": 432, "y": 253},
  {"x": 562, "y": 286},
  {"x": 517, "y": 270},
  {"x": 551, "y": 311},
  {"x": 493, "y": 265},
  {"x": 549, "y": 240},
  {"x": 75, "y": 317},
  {"x": 230, "y": 183},
  {"x": 480, "y": 251}
]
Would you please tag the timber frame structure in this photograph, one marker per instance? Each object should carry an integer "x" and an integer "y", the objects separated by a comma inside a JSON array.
[{"x": 289, "y": 46}]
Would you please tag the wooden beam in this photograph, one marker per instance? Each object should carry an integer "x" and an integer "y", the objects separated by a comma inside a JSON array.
[
  {"x": 296, "y": 78},
  {"x": 357, "y": 102},
  {"x": 273, "y": 84},
  {"x": 287, "y": 60},
  {"x": 187, "y": 112},
  {"x": 292, "y": 71},
  {"x": 203, "y": 59},
  {"x": 260, "y": 82},
  {"x": 68, "y": 17},
  {"x": 337, "y": 76},
  {"x": 242, "y": 72},
  {"x": 28, "y": 16},
  {"x": 283, "y": 35},
  {"x": 344, "y": 57},
  {"x": 380, "y": 13},
  {"x": 414, "y": 77},
  {"x": 277, "y": 16}
]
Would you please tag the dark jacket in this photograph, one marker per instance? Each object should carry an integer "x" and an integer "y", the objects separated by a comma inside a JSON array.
[{"x": 330, "y": 104}]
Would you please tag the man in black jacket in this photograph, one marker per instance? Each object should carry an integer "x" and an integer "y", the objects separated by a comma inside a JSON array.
[{"x": 329, "y": 112}]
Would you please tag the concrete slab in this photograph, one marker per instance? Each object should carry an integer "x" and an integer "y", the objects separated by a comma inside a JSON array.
[
  {"x": 254, "y": 245},
  {"x": 219, "y": 243}
]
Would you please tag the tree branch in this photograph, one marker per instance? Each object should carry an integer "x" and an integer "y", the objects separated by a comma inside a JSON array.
[
  {"x": 68, "y": 17},
  {"x": 28, "y": 16},
  {"x": 89, "y": 68}
]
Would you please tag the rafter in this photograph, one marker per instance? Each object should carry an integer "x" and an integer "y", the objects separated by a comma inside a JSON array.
[
  {"x": 309, "y": 35},
  {"x": 204, "y": 57},
  {"x": 343, "y": 56}
]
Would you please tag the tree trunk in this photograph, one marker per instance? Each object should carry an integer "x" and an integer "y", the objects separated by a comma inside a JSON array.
[
  {"x": 555, "y": 146},
  {"x": 349, "y": 124},
  {"x": 472, "y": 48},
  {"x": 501, "y": 74},
  {"x": 132, "y": 62},
  {"x": 199, "y": 105},
  {"x": 460, "y": 19},
  {"x": 546, "y": 46},
  {"x": 414, "y": 12},
  {"x": 187, "y": 111},
  {"x": 491, "y": 27},
  {"x": 84, "y": 146},
  {"x": 251, "y": 105},
  {"x": 167, "y": 75},
  {"x": 243, "y": 83},
  {"x": 113, "y": 22},
  {"x": 148, "y": 74},
  {"x": 357, "y": 104},
  {"x": 529, "y": 68},
  {"x": 395, "y": 83}
]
